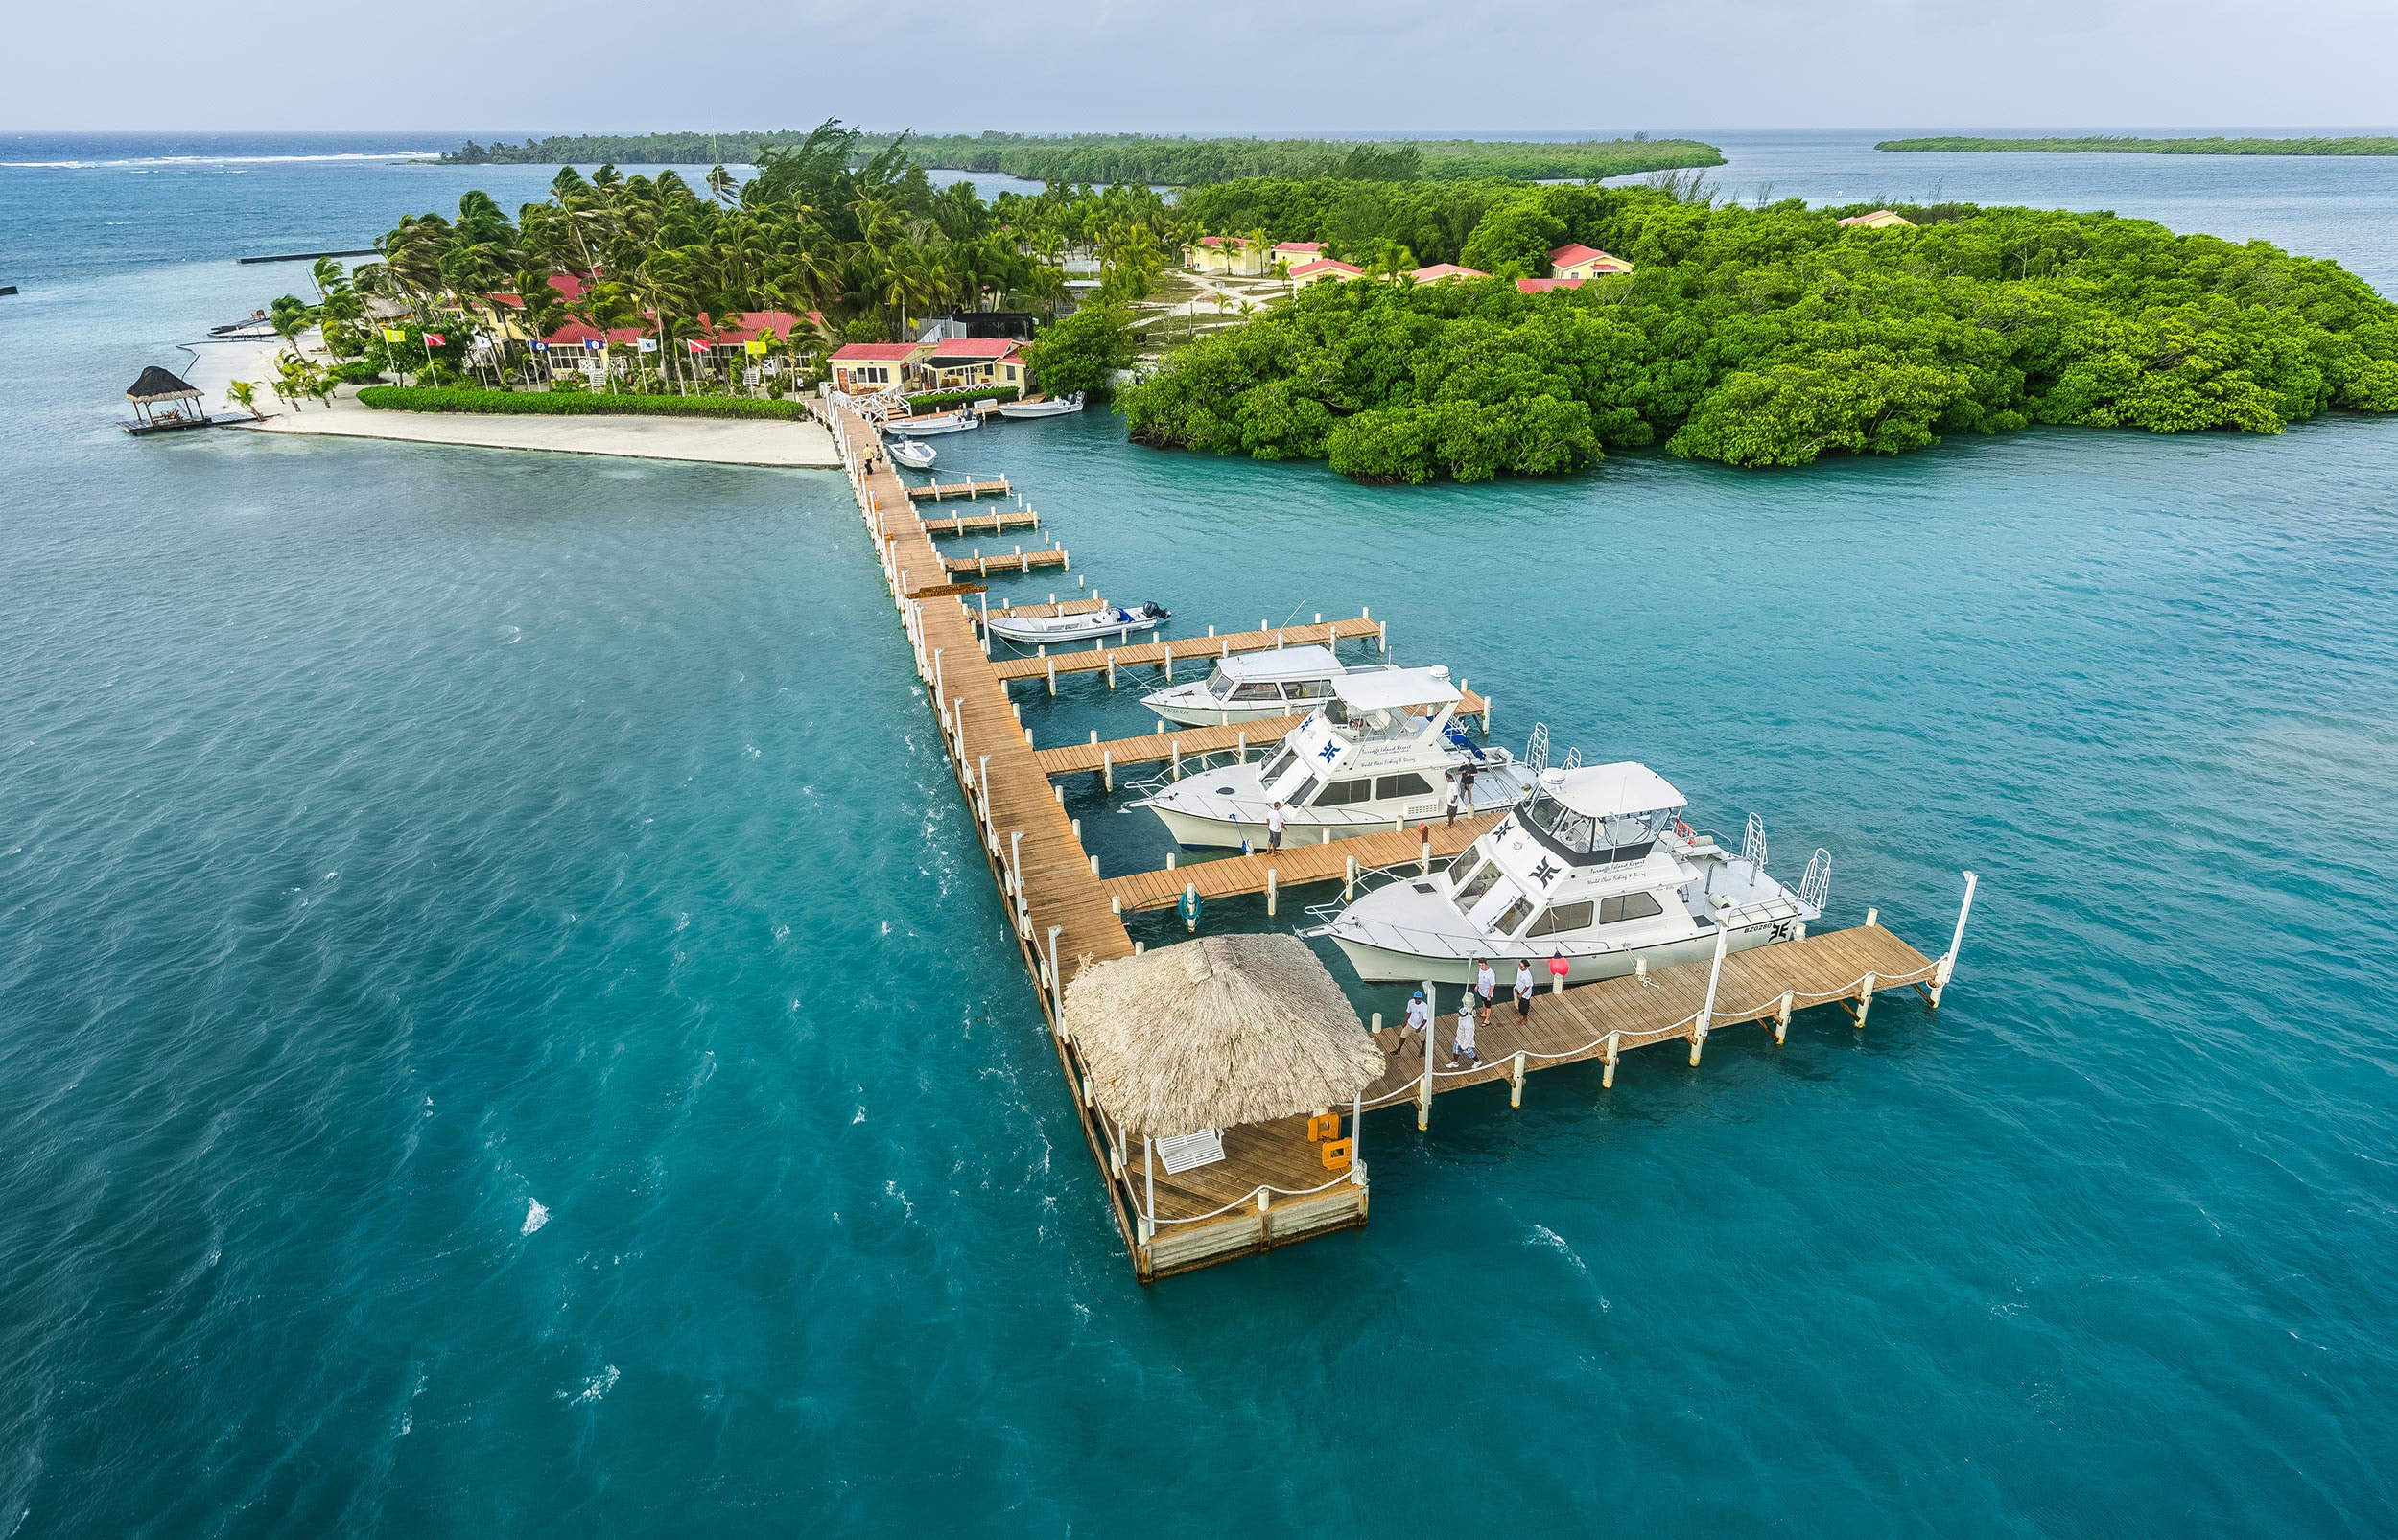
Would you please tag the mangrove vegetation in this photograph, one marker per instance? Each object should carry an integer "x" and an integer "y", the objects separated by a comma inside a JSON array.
[{"x": 1756, "y": 336}]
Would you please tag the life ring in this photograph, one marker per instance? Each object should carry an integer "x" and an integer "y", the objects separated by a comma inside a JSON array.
[{"x": 1681, "y": 829}]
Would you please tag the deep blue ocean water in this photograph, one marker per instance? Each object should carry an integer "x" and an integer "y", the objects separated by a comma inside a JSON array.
[{"x": 502, "y": 1030}]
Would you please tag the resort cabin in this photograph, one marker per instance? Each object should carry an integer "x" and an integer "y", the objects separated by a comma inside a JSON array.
[
  {"x": 1441, "y": 272},
  {"x": 1541, "y": 286},
  {"x": 581, "y": 348},
  {"x": 1227, "y": 254},
  {"x": 969, "y": 364},
  {"x": 1583, "y": 262},
  {"x": 1296, "y": 253},
  {"x": 1881, "y": 218},
  {"x": 734, "y": 347},
  {"x": 1323, "y": 268},
  {"x": 863, "y": 368}
]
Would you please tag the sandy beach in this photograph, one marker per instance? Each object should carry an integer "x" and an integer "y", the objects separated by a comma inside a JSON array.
[{"x": 710, "y": 441}]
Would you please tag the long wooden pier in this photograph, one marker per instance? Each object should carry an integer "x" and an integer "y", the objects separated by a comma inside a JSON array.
[
  {"x": 972, "y": 487},
  {"x": 1277, "y": 1182},
  {"x": 1018, "y": 560},
  {"x": 998, "y": 521},
  {"x": 1157, "y": 654},
  {"x": 1269, "y": 871},
  {"x": 1685, "y": 1002}
]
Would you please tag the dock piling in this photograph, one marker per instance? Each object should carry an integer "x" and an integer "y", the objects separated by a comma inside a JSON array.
[
  {"x": 1431, "y": 1040},
  {"x": 1948, "y": 959},
  {"x": 1107, "y": 768},
  {"x": 1781, "y": 1016},
  {"x": 1607, "y": 1066},
  {"x": 1865, "y": 998},
  {"x": 1516, "y": 1085},
  {"x": 1270, "y": 876},
  {"x": 1348, "y": 880}
]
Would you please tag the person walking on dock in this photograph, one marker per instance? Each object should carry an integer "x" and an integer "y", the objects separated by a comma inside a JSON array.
[
  {"x": 1419, "y": 1023},
  {"x": 1485, "y": 986},
  {"x": 1523, "y": 990},
  {"x": 1461, "y": 1049},
  {"x": 1275, "y": 823},
  {"x": 1456, "y": 795}
]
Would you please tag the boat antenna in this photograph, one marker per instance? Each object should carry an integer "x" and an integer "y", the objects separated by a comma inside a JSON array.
[{"x": 1294, "y": 613}]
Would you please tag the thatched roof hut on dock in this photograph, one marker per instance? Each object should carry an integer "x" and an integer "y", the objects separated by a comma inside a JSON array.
[
  {"x": 163, "y": 399},
  {"x": 1216, "y": 1033}
]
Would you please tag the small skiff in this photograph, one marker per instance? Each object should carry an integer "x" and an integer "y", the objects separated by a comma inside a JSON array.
[
  {"x": 947, "y": 422},
  {"x": 914, "y": 455},
  {"x": 1055, "y": 406},
  {"x": 1108, "y": 620}
]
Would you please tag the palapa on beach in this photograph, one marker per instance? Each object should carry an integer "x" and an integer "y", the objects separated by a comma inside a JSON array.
[{"x": 1216, "y": 1033}]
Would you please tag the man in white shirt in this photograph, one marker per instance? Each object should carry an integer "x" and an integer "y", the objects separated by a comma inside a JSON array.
[
  {"x": 1523, "y": 992},
  {"x": 1462, "y": 1048},
  {"x": 1485, "y": 986},
  {"x": 1275, "y": 823},
  {"x": 1418, "y": 1022},
  {"x": 1456, "y": 795}
]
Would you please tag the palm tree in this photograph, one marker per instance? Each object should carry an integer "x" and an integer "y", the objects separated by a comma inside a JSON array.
[
  {"x": 243, "y": 394},
  {"x": 721, "y": 184},
  {"x": 290, "y": 316},
  {"x": 329, "y": 278}
]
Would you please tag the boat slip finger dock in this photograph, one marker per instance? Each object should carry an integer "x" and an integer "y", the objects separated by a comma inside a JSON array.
[{"x": 1221, "y": 1083}]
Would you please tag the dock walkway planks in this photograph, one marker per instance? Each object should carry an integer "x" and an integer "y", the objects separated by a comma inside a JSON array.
[
  {"x": 1235, "y": 875},
  {"x": 1155, "y": 653},
  {"x": 995, "y": 522},
  {"x": 974, "y": 486},
  {"x": 1600, "y": 1020},
  {"x": 1018, "y": 560}
]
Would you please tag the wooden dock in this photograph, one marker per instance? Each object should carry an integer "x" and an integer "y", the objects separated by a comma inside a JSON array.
[
  {"x": 1018, "y": 560},
  {"x": 1276, "y": 1183},
  {"x": 1029, "y": 611},
  {"x": 1684, "y": 1002},
  {"x": 1158, "y": 654},
  {"x": 1269, "y": 871},
  {"x": 974, "y": 486},
  {"x": 1170, "y": 744},
  {"x": 998, "y": 521}
]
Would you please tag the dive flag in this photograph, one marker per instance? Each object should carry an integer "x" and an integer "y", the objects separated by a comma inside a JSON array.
[
  {"x": 435, "y": 339},
  {"x": 697, "y": 346},
  {"x": 392, "y": 333}
]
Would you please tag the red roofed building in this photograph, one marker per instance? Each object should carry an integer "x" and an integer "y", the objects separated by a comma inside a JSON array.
[
  {"x": 1444, "y": 272},
  {"x": 1881, "y": 218},
  {"x": 1228, "y": 254},
  {"x": 1541, "y": 286},
  {"x": 862, "y": 369},
  {"x": 1583, "y": 262},
  {"x": 1298, "y": 250},
  {"x": 971, "y": 362},
  {"x": 1308, "y": 272}
]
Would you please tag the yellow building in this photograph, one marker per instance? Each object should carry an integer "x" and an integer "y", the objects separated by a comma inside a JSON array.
[
  {"x": 1583, "y": 262},
  {"x": 1881, "y": 218}
]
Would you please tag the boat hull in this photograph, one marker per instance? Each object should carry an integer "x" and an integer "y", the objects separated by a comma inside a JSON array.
[
  {"x": 1183, "y": 716},
  {"x": 1193, "y": 834},
  {"x": 1379, "y": 964}
]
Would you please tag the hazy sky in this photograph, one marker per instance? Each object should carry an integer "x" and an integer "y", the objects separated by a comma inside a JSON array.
[{"x": 1213, "y": 65}]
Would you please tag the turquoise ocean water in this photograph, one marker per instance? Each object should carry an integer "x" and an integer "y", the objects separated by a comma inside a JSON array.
[{"x": 502, "y": 1030}]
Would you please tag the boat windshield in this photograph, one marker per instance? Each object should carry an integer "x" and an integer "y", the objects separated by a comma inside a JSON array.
[
  {"x": 1280, "y": 762},
  {"x": 1220, "y": 684},
  {"x": 1626, "y": 838}
]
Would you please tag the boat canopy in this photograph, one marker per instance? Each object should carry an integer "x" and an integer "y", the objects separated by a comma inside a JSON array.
[
  {"x": 1623, "y": 789},
  {"x": 1283, "y": 663},
  {"x": 1396, "y": 690}
]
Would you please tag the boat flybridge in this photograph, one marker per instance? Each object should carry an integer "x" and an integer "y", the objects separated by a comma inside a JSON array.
[
  {"x": 1597, "y": 865},
  {"x": 1246, "y": 686},
  {"x": 1379, "y": 752}
]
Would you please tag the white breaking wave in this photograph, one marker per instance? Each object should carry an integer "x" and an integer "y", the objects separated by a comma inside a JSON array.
[
  {"x": 213, "y": 160},
  {"x": 594, "y": 1388},
  {"x": 535, "y": 1217}
]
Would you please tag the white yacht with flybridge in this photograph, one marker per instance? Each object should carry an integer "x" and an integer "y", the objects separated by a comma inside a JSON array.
[
  {"x": 1249, "y": 686},
  {"x": 1378, "y": 753},
  {"x": 1598, "y": 865}
]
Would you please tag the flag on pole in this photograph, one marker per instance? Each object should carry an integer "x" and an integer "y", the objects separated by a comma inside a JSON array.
[
  {"x": 591, "y": 344},
  {"x": 540, "y": 346},
  {"x": 697, "y": 346},
  {"x": 757, "y": 346},
  {"x": 649, "y": 344},
  {"x": 392, "y": 333},
  {"x": 435, "y": 339}
]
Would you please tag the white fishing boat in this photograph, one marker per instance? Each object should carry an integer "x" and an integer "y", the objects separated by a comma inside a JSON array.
[
  {"x": 1597, "y": 866},
  {"x": 1091, "y": 625},
  {"x": 1364, "y": 761},
  {"x": 914, "y": 455},
  {"x": 942, "y": 422},
  {"x": 1053, "y": 407},
  {"x": 1248, "y": 686}
]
